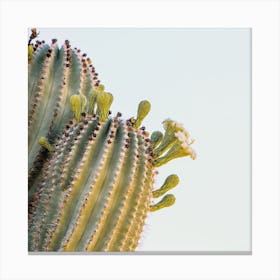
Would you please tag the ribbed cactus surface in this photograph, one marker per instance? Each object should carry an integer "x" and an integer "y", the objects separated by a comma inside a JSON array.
[
  {"x": 55, "y": 74},
  {"x": 91, "y": 174}
]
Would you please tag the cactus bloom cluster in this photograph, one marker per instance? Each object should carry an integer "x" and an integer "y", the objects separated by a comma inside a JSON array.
[{"x": 91, "y": 172}]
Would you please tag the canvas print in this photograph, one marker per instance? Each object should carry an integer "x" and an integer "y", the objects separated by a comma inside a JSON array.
[
  {"x": 94, "y": 171},
  {"x": 91, "y": 172}
]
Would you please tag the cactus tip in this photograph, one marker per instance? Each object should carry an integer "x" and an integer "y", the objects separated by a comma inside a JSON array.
[
  {"x": 170, "y": 182},
  {"x": 167, "y": 201},
  {"x": 144, "y": 108}
]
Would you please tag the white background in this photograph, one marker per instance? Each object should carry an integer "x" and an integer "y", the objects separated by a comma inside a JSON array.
[
  {"x": 201, "y": 77},
  {"x": 263, "y": 17}
]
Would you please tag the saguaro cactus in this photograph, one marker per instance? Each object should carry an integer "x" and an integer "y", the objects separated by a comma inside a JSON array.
[{"x": 91, "y": 174}]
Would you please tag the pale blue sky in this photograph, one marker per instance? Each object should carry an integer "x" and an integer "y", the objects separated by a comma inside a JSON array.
[{"x": 200, "y": 78}]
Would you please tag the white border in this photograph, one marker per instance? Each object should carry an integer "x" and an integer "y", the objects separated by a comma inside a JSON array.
[{"x": 262, "y": 16}]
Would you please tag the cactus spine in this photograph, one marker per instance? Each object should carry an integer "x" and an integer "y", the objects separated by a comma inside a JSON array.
[{"x": 91, "y": 175}]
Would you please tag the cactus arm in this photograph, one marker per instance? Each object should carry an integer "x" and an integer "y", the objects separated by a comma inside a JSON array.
[
  {"x": 53, "y": 79},
  {"x": 72, "y": 80}
]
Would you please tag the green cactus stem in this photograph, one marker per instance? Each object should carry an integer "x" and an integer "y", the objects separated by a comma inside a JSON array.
[
  {"x": 91, "y": 174},
  {"x": 55, "y": 75}
]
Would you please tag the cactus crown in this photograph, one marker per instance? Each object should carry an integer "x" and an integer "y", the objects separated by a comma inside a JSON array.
[{"x": 91, "y": 174}]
